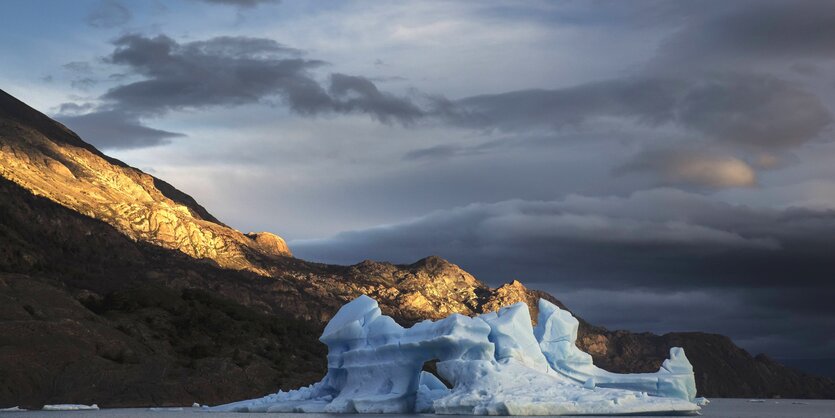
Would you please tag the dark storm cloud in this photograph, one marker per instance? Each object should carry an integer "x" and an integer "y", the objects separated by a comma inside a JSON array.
[
  {"x": 773, "y": 264},
  {"x": 758, "y": 111},
  {"x": 754, "y": 30},
  {"x": 227, "y": 71},
  {"x": 220, "y": 71},
  {"x": 231, "y": 71},
  {"x": 359, "y": 94},
  {"x": 649, "y": 100},
  {"x": 112, "y": 129},
  {"x": 741, "y": 109},
  {"x": 108, "y": 14}
]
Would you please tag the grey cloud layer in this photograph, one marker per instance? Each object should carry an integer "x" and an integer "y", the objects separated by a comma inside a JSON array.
[
  {"x": 717, "y": 129},
  {"x": 603, "y": 238},
  {"x": 742, "y": 109},
  {"x": 753, "y": 31},
  {"x": 772, "y": 263}
]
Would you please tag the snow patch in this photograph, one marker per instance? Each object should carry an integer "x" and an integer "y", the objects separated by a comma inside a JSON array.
[{"x": 70, "y": 407}]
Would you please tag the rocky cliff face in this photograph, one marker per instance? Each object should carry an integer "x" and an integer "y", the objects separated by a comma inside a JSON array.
[
  {"x": 63, "y": 169},
  {"x": 433, "y": 288},
  {"x": 119, "y": 289}
]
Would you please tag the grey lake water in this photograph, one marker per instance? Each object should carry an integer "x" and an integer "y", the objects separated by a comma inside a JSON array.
[{"x": 726, "y": 408}]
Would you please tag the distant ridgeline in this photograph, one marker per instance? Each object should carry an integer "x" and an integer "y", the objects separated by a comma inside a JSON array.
[{"x": 118, "y": 289}]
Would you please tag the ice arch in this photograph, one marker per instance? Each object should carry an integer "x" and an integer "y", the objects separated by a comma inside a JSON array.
[{"x": 497, "y": 363}]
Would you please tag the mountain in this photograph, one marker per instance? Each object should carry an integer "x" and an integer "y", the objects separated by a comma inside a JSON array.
[
  {"x": 117, "y": 288},
  {"x": 49, "y": 160}
]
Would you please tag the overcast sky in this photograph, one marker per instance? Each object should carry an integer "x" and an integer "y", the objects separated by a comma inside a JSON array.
[{"x": 661, "y": 166}]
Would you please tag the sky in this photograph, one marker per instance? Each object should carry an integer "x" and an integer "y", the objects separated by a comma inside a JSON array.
[{"x": 656, "y": 165}]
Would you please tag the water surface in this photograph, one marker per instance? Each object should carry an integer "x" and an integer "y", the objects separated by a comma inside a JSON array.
[{"x": 725, "y": 408}]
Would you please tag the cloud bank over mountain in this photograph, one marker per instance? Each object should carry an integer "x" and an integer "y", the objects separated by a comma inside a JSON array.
[{"x": 651, "y": 248}]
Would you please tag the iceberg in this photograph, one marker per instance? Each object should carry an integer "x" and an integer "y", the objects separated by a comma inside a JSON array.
[
  {"x": 495, "y": 364},
  {"x": 556, "y": 332},
  {"x": 13, "y": 409},
  {"x": 70, "y": 407}
]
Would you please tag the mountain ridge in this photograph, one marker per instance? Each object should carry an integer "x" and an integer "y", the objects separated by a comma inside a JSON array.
[
  {"x": 78, "y": 176},
  {"x": 64, "y": 236}
]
